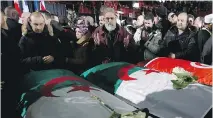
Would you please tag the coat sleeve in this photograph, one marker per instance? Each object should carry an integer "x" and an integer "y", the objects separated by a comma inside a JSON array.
[
  {"x": 80, "y": 58},
  {"x": 188, "y": 51},
  {"x": 153, "y": 44},
  {"x": 31, "y": 60}
]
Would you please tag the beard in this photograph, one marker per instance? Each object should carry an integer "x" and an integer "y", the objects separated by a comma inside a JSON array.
[
  {"x": 148, "y": 29},
  {"x": 110, "y": 27}
]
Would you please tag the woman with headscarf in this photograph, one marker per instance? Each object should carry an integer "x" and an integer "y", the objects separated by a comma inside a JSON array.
[{"x": 79, "y": 60}]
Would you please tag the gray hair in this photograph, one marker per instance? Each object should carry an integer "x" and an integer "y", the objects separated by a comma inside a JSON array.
[{"x": 106, "y": 10}]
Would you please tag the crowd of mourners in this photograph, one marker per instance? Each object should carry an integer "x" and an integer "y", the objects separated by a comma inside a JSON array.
[{"x": 41, "y": 42}]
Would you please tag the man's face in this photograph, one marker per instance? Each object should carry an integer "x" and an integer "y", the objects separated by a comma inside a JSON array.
[
  {"x": 198, "y": 23},
  {"x": 191, "y": 21},
  {"x": 15, "y": 15},
  {"x": 37, "y": 24},
  {"x": 79, "y": 34},
  {"x": 182, "y": 22},
  {"x": 148, "y": 23},
  {"x": 172, "y": 18},
  {"x": 140, "y": 21},
  {"x": 110, "y": 21},
  {"x": 101, "y": 20}
]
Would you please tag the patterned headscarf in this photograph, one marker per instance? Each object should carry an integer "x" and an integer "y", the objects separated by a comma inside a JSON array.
[{"x": 83, "y": 27}]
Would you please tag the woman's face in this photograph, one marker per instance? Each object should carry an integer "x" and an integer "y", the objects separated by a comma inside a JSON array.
[{"x": 79, "y": 34}]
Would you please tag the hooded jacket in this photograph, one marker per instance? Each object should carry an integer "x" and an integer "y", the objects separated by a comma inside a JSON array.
[{"x": 34, "y": 46}]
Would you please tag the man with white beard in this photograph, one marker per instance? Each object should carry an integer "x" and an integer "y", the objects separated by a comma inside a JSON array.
[{"x": 111, "y": 40}]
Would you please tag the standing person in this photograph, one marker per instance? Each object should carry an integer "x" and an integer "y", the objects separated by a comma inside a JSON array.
[
  {"x": 151, "y": 36},
  {"x": 172, "y": 17},
  {"x": 101, "y": 20},
  {"x": 24, "y": 17},
  {"x": 163, "y": 23},
  {"x": 79, "y": 60},
  {"x": 11, "y": 13},
  {"x": 38, "y": 46},
  {"x": 199, "y": 23},
  {"x": 111, "y": 40},
  {"x": 205, "y": 32},
  {"x": 191, "y": 19},
  {"x": 206, "y": 56},
  {"x": 11, "y": 71},
  {"x": 139, "y": 25},
  {"x": 179, "y": 42},
  {"x": 12, "y": 22}
]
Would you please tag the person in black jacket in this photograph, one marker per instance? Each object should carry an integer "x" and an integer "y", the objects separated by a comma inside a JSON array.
[
  {"x": 204, "y": 33},
  {"x": 11, "y": 71},
  {"x": 12, "y": 23},
  {"x": 206, "y": 56},
  {"x": 179, "y": 41},
  {"x": 38, "y": 46},
  {"x": 163, "y": 23},
  {"x": 79, "y": 59}
]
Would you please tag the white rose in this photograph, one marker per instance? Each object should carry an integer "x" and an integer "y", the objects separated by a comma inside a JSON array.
[{"x": 181, "y": 70}]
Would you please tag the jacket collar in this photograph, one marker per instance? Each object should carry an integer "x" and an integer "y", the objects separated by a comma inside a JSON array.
[
  {"x": 84, "y": 39},
  {"x": 31, "y": 32}
]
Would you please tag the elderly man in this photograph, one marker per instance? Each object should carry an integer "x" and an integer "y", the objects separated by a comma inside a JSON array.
[
  {"x": 179, "y": 41},
  {"x": 205, "y": 33},
  {"x": 111, "y": 40},
  {"x": 38, "y": 47}
]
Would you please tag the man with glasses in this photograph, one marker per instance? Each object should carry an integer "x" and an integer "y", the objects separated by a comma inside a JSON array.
[{"x": 111, "y": 40}]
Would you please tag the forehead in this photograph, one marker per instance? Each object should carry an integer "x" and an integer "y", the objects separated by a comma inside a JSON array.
[
  {"x": 37, "y": 19},
  {"x": 109, "y": 14},
  {"x": 182, "y": 16},
  {"x": 140, "y": 17},
  {"x": 149, "y": 20}
]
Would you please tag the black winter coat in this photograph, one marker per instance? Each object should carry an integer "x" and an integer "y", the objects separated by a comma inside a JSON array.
[
  {"x": 206, "y": 56},
  {"x": 183, "y": 46},
  {"x": 34, "y": 46}
]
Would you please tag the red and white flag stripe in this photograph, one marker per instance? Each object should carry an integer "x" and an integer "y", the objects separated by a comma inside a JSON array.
[
  {"x": 17, "y": 7},
  {"x": 42, "y": 5}
]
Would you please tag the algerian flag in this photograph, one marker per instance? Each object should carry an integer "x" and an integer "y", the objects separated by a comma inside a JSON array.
[{"x": 147, "y": 88}]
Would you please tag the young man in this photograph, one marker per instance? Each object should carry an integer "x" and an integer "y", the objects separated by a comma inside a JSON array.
[
  {"x": 38, "y": 47},
  {"x": 151, "y": 35}
]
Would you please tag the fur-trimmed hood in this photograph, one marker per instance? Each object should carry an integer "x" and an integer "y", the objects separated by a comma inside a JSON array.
[{"x": 27, "y": 29}]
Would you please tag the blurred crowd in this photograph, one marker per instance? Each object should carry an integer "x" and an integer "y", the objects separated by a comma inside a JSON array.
[{"x": 44, "y": 41}]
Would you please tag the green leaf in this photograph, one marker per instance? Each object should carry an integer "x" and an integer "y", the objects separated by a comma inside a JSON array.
[
  {"x": 195, "y": 77},
  {"x": 178, "y": 84}
]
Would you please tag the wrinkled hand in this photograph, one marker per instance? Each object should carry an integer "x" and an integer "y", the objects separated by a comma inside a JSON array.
[
  {"x": 97, "y": 39},
  {"x": 172, "y": 55},
  {"x": 48, "y": 59},
  {"x": 126, "y": 41}
]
